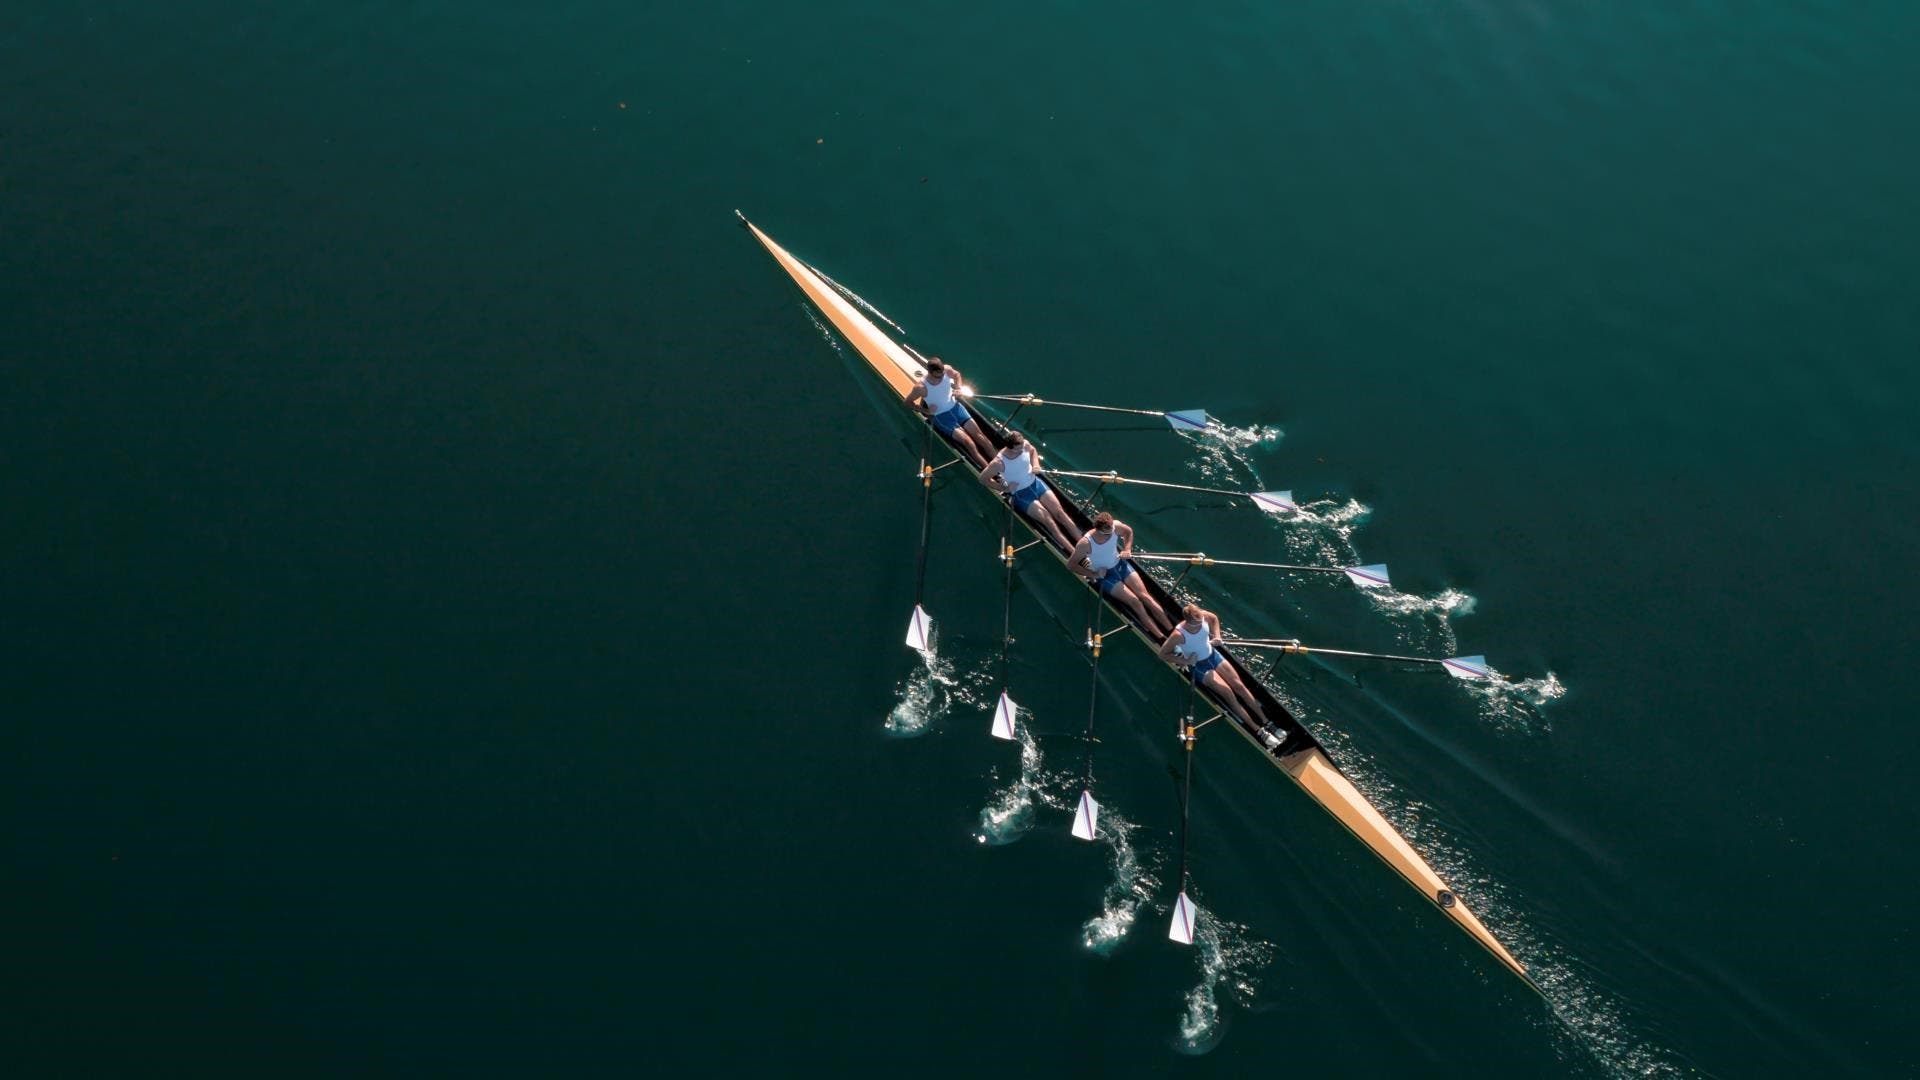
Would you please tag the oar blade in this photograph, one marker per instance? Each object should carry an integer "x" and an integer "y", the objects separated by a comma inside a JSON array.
[
  {"x": 1189, "y": 420},
  {"x": 1468, "y": 667},
  {"x": 1086, "y": 818},
  {"x": 1369, "y": 577},
  {"x": 1275, "y": 502},
  {"x": 920, "y": 629},
  {"x": 1003, "y": 718},
  {"x": 1184, "y": 916}
]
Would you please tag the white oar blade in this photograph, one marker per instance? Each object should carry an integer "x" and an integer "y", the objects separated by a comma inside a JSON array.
[
  {"x": 1369, "y": 577},
  {"x": 1275, "y": 502},
  {"x": 1467, "y": 667},
  {"x": 1087, "y": 817},
  {"x": 920, "y": 629},
  {"x": 1183, "y": 919},
  {"x": 1003, "y": 717},
  {"x": 1189, "y": 420}
]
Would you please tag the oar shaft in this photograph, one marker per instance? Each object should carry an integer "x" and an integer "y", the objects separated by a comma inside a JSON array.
[
  {"x": 1198, "y": 559},
  {"x": 1029, "y": 399},
  {"x": 926, "y": 519},
  {"x": 1186, "y": 799},
  {"x": 1116, "y": 478},
  {"x": 1296, "y": 647}
]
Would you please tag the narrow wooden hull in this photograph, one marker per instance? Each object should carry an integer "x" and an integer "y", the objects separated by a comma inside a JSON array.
[{"x": 1297, "y": 754}]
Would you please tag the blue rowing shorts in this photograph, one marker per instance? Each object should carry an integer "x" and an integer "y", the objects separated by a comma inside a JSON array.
[
  {"x": 1205, "y": 667},
  {"x": 952, "y": 420},
  {"x": 1028, "y": 495},
  {"x": 1116, "y": 574}
]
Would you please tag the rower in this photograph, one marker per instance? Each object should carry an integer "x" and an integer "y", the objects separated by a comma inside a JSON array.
[
  {"x": 1191, "y": 647},
  {"x": 1014, "y": 473},
  {"x": 934, "y": 396},
  {"x": 1102, "y": 557}
]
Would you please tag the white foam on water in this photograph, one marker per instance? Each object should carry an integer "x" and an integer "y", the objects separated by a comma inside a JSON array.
[
  {"x": 1517, "y": 705},
  {"x": 1336, "y": 519},
  {"x": 1426, "y": 619},
  {"x": 1008, "y": 814},
  {"x": 1231, "y": 961},
  {"x": 924, "y": 696},
  {"x": 1134, "y": 883},
  {"x": 1223, "y": 452}
]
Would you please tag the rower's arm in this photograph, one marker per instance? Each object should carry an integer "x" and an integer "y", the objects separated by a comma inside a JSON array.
[
  {"x": 992, "y": 471},
  {"x": 1080, "y": 552},
  {"x": 1171, "y": 645},
  {"x": 1213, "y": 628},
  {"x": 916, "y": 395},
  {"x": 1126, "y": 538}
]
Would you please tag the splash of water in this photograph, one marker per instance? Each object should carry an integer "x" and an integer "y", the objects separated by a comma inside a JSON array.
[
  {"x": 1517, "y": 704},
  {"x": 924, "y": 696},
  {"x": 1427, "y": 619},
  {"x": 1231, "y": 961},
  {"x": 1132, "y": 886},
  {"x": 1223, "y": 452},
  {"x": 1008, "y": 814}
]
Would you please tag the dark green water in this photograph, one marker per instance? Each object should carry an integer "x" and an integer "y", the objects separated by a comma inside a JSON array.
[{"x": 454, "y": 594}]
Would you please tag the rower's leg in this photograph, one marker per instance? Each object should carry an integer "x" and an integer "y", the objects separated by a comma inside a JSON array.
[
  {"x": 1046, "y": 510},
  {"x": 977, "y": 445},
  {"x": 1239, "y": 687},
  {"x": 1217, "y": 682},
  {"x": 1150, "y": 612},
  {"x": 1062, "y": 524},
  {"x": 1126, "y": 596}
]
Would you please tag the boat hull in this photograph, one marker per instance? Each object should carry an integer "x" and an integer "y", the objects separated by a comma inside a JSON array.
[{"x": 896, "y": 369}]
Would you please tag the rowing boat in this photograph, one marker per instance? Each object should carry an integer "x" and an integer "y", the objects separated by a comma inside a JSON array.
[{"x": 1286, "y": 742}]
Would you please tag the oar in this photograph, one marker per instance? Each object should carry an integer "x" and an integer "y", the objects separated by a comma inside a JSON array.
[
  {"x": 1180, "y": 420},
  {"x": 920, "y": 624},
  {"x": 1367, "y": 577},
  {"x": 1086, "y": 816},
  {"x": 1273, "y": 502},
  {"x": 1003, "y": 711},
  {"x": 1460, "y": 667},
  {"x": 1184, "y": 915}
]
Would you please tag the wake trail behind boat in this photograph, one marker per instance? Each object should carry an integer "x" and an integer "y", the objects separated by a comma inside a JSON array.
[
  {"x": 1231, "y": 961},
  {"x": 1519, "y": 704},
  {"x": 1008, "y": 814},
  {"x": 1133, "y": 885},
  {"x": 926, "y": 695},
  {"x": 1221, "y": 452}
]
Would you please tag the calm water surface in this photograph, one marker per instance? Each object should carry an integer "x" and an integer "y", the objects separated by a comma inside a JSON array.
[{"x": 455, "y": 594}]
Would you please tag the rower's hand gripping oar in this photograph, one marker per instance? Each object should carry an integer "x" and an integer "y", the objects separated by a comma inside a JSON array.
[
  {"x": 920, "y": 624},
  {"x": 1273, "y": 502},
  {"x": 1184, "y": 914},
  {"x": 1179, "y": 420},
  {"x": 1464, "y": 668},
  {"x": 1367, "y": 577}
]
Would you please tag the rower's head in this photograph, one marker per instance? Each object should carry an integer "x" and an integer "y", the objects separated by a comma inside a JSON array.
[
  {"x": 1103, "y": 523},
  {"x": 936, "y": 370},
  {"x": 1194, "y": 614},
  {"x": 1016, "y": 444}
]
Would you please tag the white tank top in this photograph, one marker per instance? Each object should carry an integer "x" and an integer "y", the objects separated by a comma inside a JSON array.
[
  {"x": 1195, "y": 644},
  {"x": 1103, "y": 556},
  {"x": 1017, "y": 471},
  {"x": 939, "y": 394}
]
